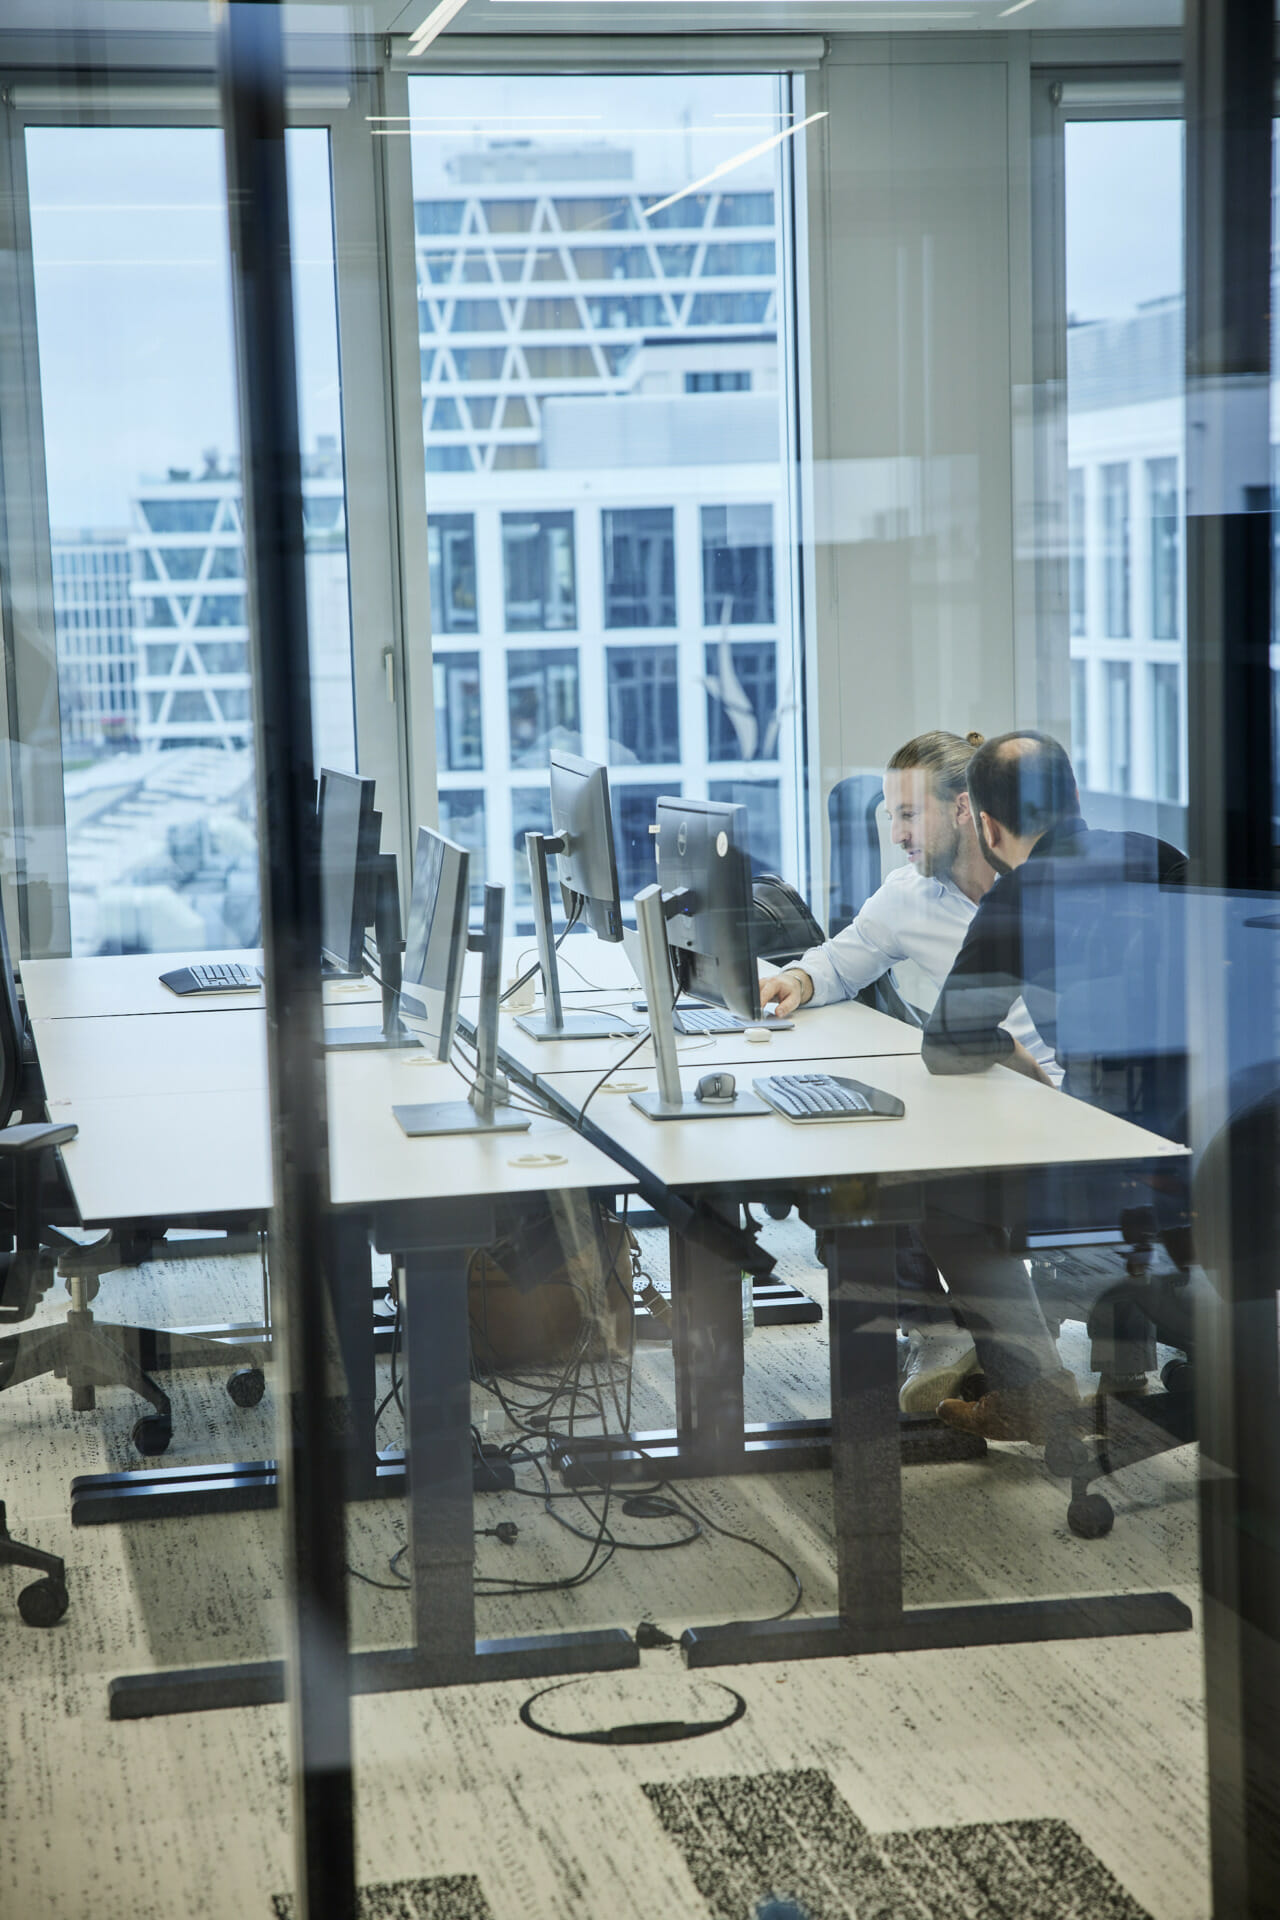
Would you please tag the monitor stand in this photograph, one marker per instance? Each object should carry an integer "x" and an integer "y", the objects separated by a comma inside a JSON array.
[
  {"x": 554, "y": 1023},
  {"x": 390, "y": 946},
  {"x": 670, "y": 1102},
  {"x": 488, "y": 1108}
]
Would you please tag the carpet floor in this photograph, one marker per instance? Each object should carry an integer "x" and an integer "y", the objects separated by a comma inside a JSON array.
[{"x": 1063, "y": 1779}]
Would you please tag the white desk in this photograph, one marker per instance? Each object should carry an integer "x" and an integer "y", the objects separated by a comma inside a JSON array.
[
  {"x": 857, "y": 1181},
  {"x": 819, "y": 1034},
  {"x": 107, "y": 986},
  {"x": 173, "y": 1122},
  {"x": 185, "y": 1133},
  {"x": 965, "y": 1122}
]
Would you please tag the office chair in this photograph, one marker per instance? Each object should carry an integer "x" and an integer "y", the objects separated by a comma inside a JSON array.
[
  {"x": 853, "y": 816},
  {"x": 85, "y": 1352},
  {"x": 22, "y": 1157},
  {"x": 1118, "y": 1430}
]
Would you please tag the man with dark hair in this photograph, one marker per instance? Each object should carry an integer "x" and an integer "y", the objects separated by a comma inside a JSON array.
[{"x": 1071, "y": 926}]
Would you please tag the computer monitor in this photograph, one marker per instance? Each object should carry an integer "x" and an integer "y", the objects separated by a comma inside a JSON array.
[
  {"x": 350, "y": 829},
  {"x": 702, "y": 851},
  {"x": 698, "y": 920},
  {"x": 437, "y": 946},
  {"x": 581, "y": 820},
  {"x": 435, "y": 942},
  {"x": 581, "y": 840}
]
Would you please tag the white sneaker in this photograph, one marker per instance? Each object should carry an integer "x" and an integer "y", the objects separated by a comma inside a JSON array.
[{"x": 939, "y": 1360}]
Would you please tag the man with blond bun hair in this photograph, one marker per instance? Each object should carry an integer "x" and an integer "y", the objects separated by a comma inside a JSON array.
[{"x": 921, "y": 912}]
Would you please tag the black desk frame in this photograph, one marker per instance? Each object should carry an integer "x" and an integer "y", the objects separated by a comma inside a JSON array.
[{"x": 432, "y": 1239}]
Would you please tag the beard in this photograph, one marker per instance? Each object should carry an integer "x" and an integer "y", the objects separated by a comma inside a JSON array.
[
  {"x": 938, "y": 862},
  {"x": 993, "y": 860}
]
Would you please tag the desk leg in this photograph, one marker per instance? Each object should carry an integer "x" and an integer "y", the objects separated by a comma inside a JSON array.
[
  {"x": 709, "y": 1436},
  {"x": 445, "y": 1651},
  {"x": 866, "y": 1472},
  {"x": 437, "y": 1350}
]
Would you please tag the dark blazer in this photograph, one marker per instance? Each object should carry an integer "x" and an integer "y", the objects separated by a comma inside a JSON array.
[{"x": 1078, "y": 931}]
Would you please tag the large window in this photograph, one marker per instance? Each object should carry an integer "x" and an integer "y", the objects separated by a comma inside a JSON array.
[
  {"x": 542, "y": 703},
  {"x": 742, "y": 700},
  {"x": 1124, "y": 363},
  {"x": 737, "y": 566},
  {"x": 602, "y": 383},
  {"x": 1164, "y": 535},
  {"x": 538, "y": 571},
  {"x": 451, "y": 552},
  {"x": 1115, "y": 550},
  {"x": 143, "y": 470},
  {"x": 639, "y": 567},
  {"x": 644, "y": 704},
  {"x": 459, "y": 745}
]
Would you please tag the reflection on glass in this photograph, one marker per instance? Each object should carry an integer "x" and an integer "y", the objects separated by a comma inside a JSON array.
[
  {"x": 737, "y": 566},
  {"x": 538, "y": 571},
  {"x": 143, "y": 471},
  {"x": 742, "y": 700},
  {"x": 593, "y": 376},
  {"x": 639, "y": 567},
  {"x": 634, "y": 811},
  {"x": 542, "y": 703},
  {"x": 644, "y": 705},
  {"x": 764, "y": 818},
  {"x": 451, "y": 555},
  {"x": 459, "y": 745}
]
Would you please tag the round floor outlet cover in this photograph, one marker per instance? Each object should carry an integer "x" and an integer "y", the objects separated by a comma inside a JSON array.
[{"x": 635, "y": 1708}]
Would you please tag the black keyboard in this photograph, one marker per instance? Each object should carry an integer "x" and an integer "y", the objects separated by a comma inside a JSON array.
[
  {"x": 217, "y": 976},
  {"x": 824, "y": 1096}
]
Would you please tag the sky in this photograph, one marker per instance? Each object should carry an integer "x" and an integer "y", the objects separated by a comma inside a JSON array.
[
  {"x": 133, "y": 306},
  {"x": 131, "y": 264},
  {"x": 129, "y": 241},
  {"x": 1124, "y": 215},
  {"x": 677, "y": 127}
]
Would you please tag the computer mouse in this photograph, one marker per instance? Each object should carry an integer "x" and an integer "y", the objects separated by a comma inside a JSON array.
[{"x": 716, "y": 1089}]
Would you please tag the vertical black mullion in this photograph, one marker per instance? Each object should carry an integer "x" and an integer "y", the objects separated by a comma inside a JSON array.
[
  {"x": 251, "y": 73},
  {"x": 1229, "y": 77}
]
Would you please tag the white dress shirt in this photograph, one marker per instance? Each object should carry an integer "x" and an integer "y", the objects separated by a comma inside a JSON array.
[{"x": 913, "y": 918}]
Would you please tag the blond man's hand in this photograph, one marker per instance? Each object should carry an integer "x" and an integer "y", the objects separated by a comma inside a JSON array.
[{"x": 789, "y": 990}]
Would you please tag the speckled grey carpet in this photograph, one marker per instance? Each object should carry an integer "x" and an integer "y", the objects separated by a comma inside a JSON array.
[
  {"x": 789, "y": 1839},
  {"x": 455, "y": 1799}
]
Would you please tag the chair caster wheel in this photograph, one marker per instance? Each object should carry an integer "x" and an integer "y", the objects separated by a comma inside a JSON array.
[
  {"x": 1090, "y": 1516},
  {"x": 247, "y": 1388},
  {"x": 43, "y": 1603},
  {"x": 1175, "y": 1376},
  {"x": 777, "y": 1209},
  {"x": 152, "y": 1434},
  {"x": 1063, "y": 1453}
]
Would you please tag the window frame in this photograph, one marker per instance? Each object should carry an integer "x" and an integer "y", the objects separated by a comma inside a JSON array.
[
  {"x": 388, "y": 593},
  {"x": 1060, "y": 96}
]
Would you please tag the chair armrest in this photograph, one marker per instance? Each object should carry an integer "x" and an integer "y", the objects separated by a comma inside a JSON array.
[{"x": 33, "y": 1138}]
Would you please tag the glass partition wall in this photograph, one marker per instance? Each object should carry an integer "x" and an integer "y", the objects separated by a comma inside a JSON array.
[{"x": 741, "y": 416}]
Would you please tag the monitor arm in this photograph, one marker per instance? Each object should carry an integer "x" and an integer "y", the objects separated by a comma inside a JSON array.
[
  {"x": 539, "y": 846},
  {"x": 653, "y": 910}
]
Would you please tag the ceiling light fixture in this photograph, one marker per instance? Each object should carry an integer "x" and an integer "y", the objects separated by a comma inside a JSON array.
[
  {"x": 727, "y": 166},
  {"x": 435, "y": 23}
]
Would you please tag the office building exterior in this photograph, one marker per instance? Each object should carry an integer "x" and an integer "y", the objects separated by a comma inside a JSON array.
[{"x": 607, "y": 514}]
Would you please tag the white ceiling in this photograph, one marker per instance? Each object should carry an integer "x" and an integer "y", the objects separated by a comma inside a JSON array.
[{"x": 192, "y": 17}]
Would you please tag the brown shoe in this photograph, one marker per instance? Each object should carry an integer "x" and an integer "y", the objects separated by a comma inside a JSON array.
[{"x": 1016, "y": 1413}]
